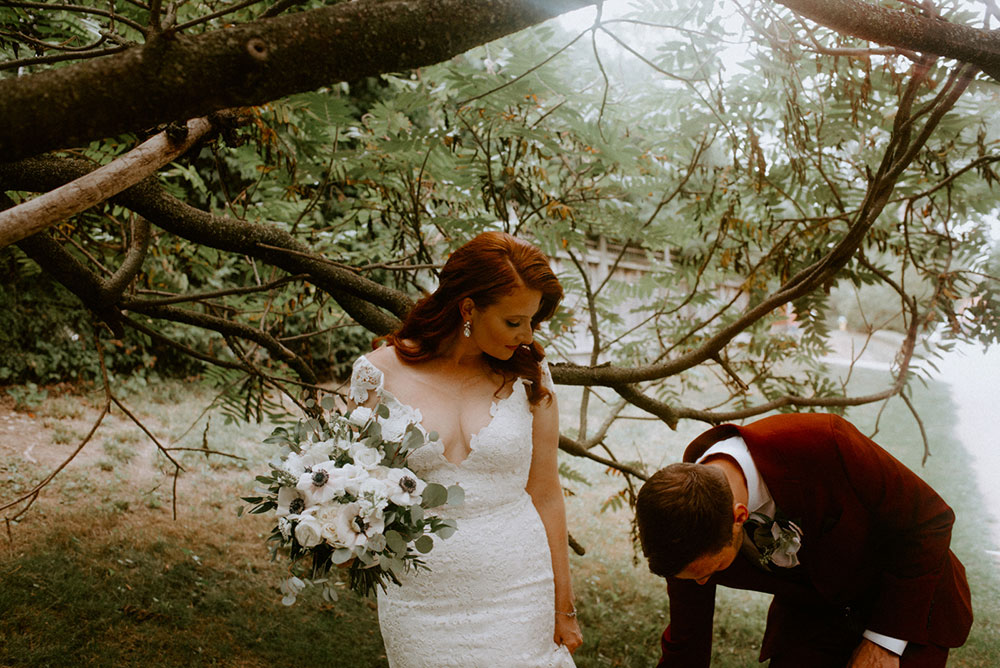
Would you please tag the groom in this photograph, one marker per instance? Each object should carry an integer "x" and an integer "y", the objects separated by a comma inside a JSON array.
[{"x": 852, "y": 544}]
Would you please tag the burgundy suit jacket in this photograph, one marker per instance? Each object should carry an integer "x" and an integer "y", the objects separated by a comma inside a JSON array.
[{"x": 875, "y": 539}]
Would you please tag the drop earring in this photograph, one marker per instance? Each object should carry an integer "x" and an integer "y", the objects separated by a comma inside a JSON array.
[{"x": 467, "y": 328}]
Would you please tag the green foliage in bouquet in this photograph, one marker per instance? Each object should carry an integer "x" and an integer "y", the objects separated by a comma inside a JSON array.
[{"x": 343, "y": 496}]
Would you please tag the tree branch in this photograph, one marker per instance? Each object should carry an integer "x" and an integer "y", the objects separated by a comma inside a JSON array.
[
  {"x": 869, "y": 21},
  {"x": 229, "y": 328},
  {"x": 360, "y": 297},
  {"x": 248, "y": 64},
  {"x": 97, "y": 186}
]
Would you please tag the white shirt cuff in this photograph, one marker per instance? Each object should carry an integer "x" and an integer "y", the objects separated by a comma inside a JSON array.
[{"x": 894, "y": 645}]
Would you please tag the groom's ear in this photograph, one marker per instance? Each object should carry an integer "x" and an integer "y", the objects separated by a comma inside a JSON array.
[{"x": 740, "y": 513}]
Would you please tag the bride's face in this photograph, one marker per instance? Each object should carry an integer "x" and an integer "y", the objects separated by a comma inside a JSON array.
[{"x": 500, "y": 328}]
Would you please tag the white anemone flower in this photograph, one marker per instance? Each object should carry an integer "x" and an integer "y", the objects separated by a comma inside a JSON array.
[
  {"x": 404, "y": 486},
  {"x": 355, "y": 524},
  {"x": 290, "y": 502},
  {"x": 296, "y": 464},
  {"x": 324, "y": 482}
]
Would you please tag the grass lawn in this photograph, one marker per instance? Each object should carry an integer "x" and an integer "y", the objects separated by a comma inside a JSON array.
[{"x": 99, "y": 574}]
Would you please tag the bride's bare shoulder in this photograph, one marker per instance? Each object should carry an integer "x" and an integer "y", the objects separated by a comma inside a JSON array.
[
  {"x": 386, "y": 360},
  {"x": 383, "y": 357}
]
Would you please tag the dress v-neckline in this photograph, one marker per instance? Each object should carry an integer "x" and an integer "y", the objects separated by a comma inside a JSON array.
[{"x": 494, "y": 411}]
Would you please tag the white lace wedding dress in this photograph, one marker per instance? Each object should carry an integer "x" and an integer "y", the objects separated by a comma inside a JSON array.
[{"x": 488, "y": 599}]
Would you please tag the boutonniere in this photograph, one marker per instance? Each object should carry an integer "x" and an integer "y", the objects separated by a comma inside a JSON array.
[{"x": 778, "y": 539}]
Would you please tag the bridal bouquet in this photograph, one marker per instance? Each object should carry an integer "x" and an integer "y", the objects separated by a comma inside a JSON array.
[{"x": 342, "y": 496}]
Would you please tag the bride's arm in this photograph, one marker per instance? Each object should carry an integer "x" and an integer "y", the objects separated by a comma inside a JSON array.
[{"x": 546, "y": 493}]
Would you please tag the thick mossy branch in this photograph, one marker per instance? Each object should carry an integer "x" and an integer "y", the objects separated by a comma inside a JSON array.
[{"x": 182, "y": 77}]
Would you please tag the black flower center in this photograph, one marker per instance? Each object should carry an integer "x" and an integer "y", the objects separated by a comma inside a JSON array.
[
  {"x": 296, "y": 506},
  {"x": 408, "y": 484},
  {"x": 320, "y": 477}
]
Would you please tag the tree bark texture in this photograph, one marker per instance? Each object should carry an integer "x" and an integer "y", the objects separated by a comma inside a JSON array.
[
  {"x": 904, "y": 30},
  {"x": 175, "y": 77}
]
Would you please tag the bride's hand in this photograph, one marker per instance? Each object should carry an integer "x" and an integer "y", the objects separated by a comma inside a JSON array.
[{"x": 568, "y": 633}]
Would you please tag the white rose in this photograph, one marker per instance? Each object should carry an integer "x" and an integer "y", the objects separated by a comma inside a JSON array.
[
  {"x": 308, "y": 531},
  {"x": 327, "y": 518},
  {"x": 365, "y": 457},
  {"x": 324, "y": 448},
  {"x": 360, "y": 416},
  {"x": 405, "y": 487},
  {"x": 354, "y": 477}
]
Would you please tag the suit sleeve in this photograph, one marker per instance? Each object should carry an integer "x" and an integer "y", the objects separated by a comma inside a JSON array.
[
  {"x": 911, "y": 531},
  {"x": 687, "y": 641}
]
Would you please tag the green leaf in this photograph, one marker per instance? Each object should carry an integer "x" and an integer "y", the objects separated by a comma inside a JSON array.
[
  {"x": 447, "y": 529},
  {"x": 395, "y": 542},
  {"x": 341, "y": 555},
  {"x": 424, "y": 544},
  {"x": 434, "y": 495},
  {"x": 377, "y": 543},
  {"x": 456, "y": 496},
  {"x": 414, "y": 439}
]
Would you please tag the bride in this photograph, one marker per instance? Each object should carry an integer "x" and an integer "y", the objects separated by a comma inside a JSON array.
[{"x": 465, "y": 366}]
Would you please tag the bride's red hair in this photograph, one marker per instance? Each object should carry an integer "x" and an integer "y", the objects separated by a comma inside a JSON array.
[{"x": 487, "y": 268}]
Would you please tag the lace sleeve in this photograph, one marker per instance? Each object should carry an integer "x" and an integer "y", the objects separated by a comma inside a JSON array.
[
  {"x": 547, "y": 377},
  {"x": 364, "y": 378}
]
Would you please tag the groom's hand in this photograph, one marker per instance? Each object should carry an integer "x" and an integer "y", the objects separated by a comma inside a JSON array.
[{"x": 871, "y": 655}]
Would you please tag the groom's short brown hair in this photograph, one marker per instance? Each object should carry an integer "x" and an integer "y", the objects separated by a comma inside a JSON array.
[{"x": 683, "y": 512}]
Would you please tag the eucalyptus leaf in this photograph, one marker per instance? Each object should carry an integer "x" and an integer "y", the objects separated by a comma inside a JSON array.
[
  {"x": 394, "y": 540},
  {"x": 456, "y": 496},
  {"x": 424, "y": 544},
  {"x": 434, "y": 495},
  {"x": 341, "y": 555}
]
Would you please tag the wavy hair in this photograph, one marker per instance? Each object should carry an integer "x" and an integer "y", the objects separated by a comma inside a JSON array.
[{"x": 487, "y": 268}]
